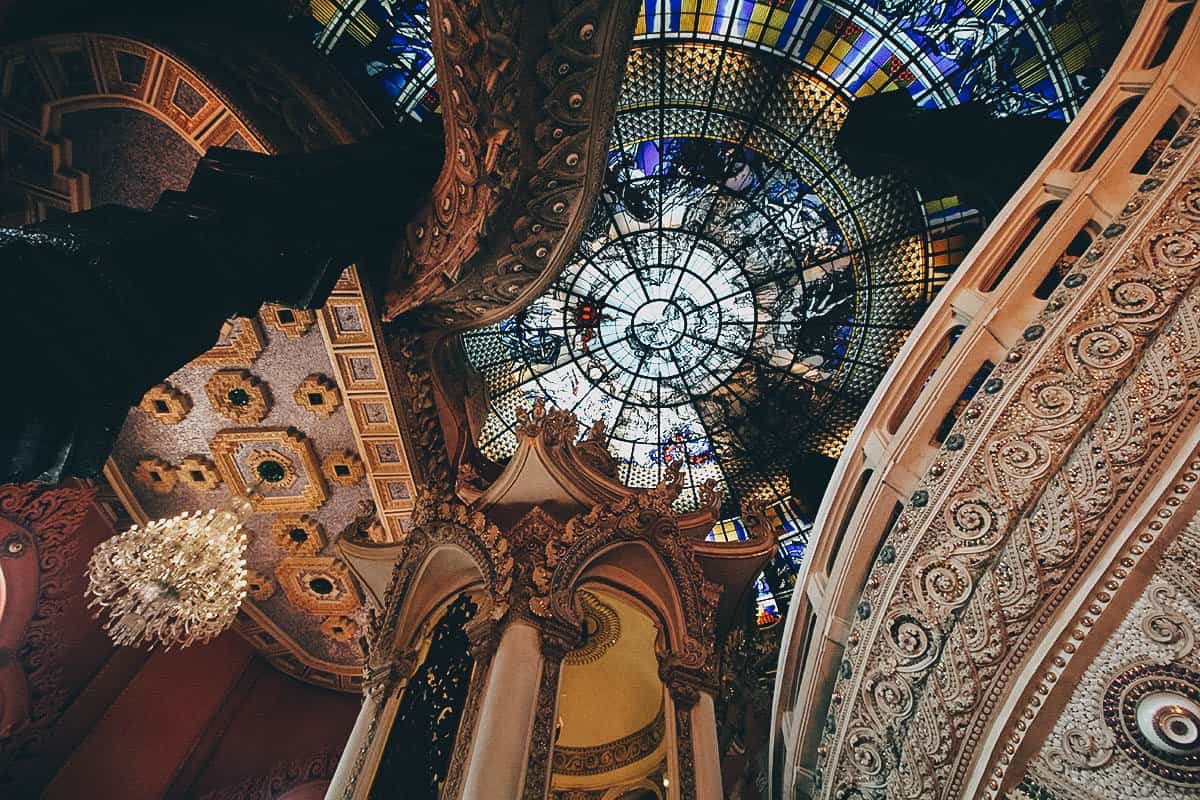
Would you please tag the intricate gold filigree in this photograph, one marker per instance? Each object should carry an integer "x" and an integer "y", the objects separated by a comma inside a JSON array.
[
  {"x": 298, "y": 534},
  {"x": 232, "y": 451},
  {"x": 156, "y": 475},
  {"x": 292, "y": 323},
  {"x": 318, "y": 394},
  {"x": 238, "y": 345},
  {"x": 237, "y": 395},
  {"x": 199, "y": 473},
  {"x": 166, "y": 404},
  {"x": 344, "y": 468},
  {"x": 320, "y": 585}
]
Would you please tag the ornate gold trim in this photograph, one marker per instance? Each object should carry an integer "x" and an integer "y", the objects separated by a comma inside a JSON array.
[
  {"x": 600, "y": 641},
  {"x": 292, "y": 323},
  {"x": 259, "y": 586},
  {"x": 156, "y": 475},
  {"x": 238, "y": 395},
  {"x": 224, "y": 447},
  {"x": 319, "y": 395},
  {"x": 298, "y": 534},
  {"x": 238, "y": 344},
  {"x": 320, "y": 585},
  {"x": 199, "y": 473},
  {"x": 166, "y": 404},
  {"x": 344, "y": 468}
]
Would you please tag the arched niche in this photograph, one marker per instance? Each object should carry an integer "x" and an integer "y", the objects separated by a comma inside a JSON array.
[
  {"x": 613, "y": 728},
  {"x": 446, "y": 570},
  {"x": 637, "y": 570}
]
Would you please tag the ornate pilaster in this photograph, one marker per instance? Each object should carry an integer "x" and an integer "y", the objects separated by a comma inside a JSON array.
[
  {"x": 384, "y": 677},
  {"x": 683, "y": 703},
  {"x": 484, "y": 641},
  {"x": 555, "y": 646}
]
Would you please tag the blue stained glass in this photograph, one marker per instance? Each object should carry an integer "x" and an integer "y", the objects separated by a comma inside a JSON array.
[
  {"x": 955, "y": 52},
  {"x": 732, "y": 267},
  {"x": 384, "y": 46}
]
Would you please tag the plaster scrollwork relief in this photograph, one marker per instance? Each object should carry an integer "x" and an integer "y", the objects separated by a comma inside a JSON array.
[
  {"x": 1166, "y": 627},
  {"x": 1129, "y": 728},
  {"x": 520, "y": 176},
  {"x": 987, "y": 544},
  {"x": 40, "y": 543},
  {"x": 537, "y": 769}
]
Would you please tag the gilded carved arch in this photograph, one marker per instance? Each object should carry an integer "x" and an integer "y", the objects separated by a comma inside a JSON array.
[
  {"x": 642, "y": 519},
  {"x": 439, "y": 527}
]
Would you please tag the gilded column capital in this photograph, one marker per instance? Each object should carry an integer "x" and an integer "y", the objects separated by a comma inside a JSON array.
[{"x": 387, "y": 671}]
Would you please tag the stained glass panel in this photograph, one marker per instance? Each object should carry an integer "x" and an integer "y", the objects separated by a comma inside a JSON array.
[{"x": 739, "y": 292}]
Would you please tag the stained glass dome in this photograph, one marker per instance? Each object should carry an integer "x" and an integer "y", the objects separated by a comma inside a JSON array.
[{"x": 739, "y": 293}]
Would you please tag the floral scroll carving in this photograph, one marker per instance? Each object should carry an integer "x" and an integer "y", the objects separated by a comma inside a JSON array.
[
  {"x": 42, "y": 522},
  {"x": 994, "y": 534},
  {"x": 529, "y": 90}
]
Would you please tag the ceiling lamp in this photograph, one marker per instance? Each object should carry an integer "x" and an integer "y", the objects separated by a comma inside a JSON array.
[{"x": 175, "y": 582}]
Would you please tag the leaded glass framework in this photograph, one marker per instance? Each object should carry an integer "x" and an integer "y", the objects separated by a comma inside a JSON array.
[
  {"x": 385, "y": 48},
  {"x": 739, "y": 293}
]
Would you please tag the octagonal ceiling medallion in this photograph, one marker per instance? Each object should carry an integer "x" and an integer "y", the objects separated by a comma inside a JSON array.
[
  {"x": 318, "y": 584},
  {"x": 278, "y": 463}
]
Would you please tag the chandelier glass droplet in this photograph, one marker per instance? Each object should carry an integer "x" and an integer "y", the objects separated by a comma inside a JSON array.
[{"x": 176, "y": 582}]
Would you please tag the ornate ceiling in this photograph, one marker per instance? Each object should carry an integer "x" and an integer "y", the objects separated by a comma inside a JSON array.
[
  {"x": 739, "y": 292},
  {"x": 1131, "y": 727},
  {"x": 1083, "y": 419},
  {"x": 291, "y": 408}
]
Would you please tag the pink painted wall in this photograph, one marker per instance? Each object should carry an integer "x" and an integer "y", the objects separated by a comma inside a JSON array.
[
  {"x": 136, "y": 748},
  {"x": 280, "y": 720}
]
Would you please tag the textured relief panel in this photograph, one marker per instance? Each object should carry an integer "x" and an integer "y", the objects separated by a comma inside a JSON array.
[
  {"x": 166, "y": 404},
  {"x": 274, "y": 467},
  {"x": 610, "y": 756},
  {"x": 238, "y": 345},
  {"x": 1131, "y": 728},
  {"x": 1055, "y": 542},
  {"x": 281, "y": 458},
  {"x": 930, "y": 615},
  {"x": 529, "y": 90}
]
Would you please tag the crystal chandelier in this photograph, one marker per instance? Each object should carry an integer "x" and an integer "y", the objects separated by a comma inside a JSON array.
[{"x": 175, "y": 581}]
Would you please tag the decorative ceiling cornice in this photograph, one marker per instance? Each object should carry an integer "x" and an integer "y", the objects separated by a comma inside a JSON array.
[
  {"x": 1166, "y": 635},
  {"x": 528, "y": 91},
  {"x": 611, "y": 756},
  {"x": 907, "y": 651}
]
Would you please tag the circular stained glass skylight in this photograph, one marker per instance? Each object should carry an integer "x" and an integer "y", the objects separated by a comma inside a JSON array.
[{"x": 738, "y": 293}]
